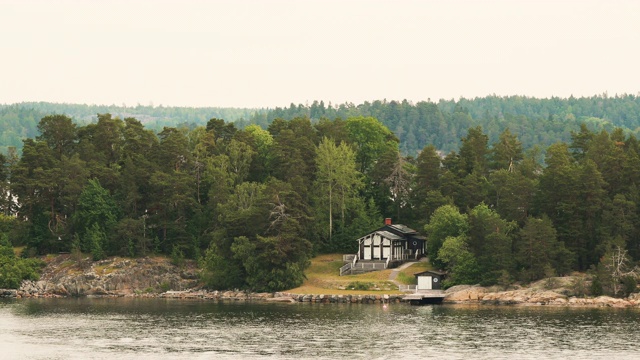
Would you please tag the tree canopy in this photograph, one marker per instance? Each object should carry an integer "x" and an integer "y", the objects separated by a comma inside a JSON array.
[{"x": 253, "y": 203}]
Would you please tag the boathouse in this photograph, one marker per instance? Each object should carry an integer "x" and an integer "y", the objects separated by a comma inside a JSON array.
[
  {"x": 430, "y": 280},
  {"x": 385, "y": 247}
]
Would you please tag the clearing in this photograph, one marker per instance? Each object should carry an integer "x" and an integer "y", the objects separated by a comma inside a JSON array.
[{"x": 323, "y": 277}]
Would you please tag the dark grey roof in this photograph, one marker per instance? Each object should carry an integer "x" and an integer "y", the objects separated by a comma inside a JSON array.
[
  {"x": 434, "y": 272},
  {"x": 389, "y": 235},
  {"x": 385, "y": 234},
  {"x": 402, "y": 228}
]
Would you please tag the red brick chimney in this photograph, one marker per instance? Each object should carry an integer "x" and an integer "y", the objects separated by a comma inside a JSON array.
[{"x": 387, "y": 221}]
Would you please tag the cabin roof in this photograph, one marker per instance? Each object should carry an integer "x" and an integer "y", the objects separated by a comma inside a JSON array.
[
  {"x": 396, "y": 232},
  {"x": 402, "y": 228},
  {"x": 389, "y": 235},
  {"x": 431, "y": 272}
]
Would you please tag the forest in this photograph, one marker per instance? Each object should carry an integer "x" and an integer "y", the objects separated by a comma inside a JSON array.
[
  {"x": 536, "y": 122},
  {"x": 253, "y": 205}
]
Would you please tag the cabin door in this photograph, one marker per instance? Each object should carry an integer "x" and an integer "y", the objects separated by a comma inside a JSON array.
[
  {"x": 366, "y": 249},
  {"x": 424, "y": 282}
]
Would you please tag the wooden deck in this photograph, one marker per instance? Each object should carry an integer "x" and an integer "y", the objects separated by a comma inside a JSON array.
[{"x": 422, "y": 297}]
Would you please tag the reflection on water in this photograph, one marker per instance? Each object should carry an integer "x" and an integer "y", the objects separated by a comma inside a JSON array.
[{"x": 158, "y": 328}]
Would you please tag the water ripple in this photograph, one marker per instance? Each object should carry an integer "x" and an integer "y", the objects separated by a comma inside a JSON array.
[{"x": 170, "y": 329}]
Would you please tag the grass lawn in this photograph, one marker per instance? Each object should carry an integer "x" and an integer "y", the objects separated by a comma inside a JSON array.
[
  {"x": 323, "y": 277},
  {"x": 407, "y": 277}
]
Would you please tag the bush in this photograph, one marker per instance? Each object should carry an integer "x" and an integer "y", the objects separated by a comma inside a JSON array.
[
  {"x": 578, "y": 286},
  {"x": 596, "y": 287},
  {"x": 12, "y": 269},
  {"x": 177, "y": 256},
  {"x": 629, "y": 285},
  {"x": 358, "y": 285}
]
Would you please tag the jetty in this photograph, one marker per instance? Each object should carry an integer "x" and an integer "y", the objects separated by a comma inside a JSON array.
[{"x": 422, "y": 297}]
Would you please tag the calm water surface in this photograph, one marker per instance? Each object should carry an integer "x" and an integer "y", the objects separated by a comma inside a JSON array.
[{"x": 174, "y": 329}]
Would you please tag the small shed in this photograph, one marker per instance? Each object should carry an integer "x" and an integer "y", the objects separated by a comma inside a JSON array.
[{"x": 430, "y": 280}]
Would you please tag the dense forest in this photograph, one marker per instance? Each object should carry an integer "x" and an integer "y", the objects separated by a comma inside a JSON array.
[
  {"x": 20, "y": 121},
  {"x": 253, "y": 205},
  {"x": 536, "y": 122}
]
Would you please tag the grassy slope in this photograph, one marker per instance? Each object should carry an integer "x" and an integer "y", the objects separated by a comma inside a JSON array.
[{"x": 323, "y": 277}]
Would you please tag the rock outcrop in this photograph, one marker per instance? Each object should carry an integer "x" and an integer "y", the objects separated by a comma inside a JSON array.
[
  {"x": 539, "y": 293},
  {"x": 64, "y": 276}
]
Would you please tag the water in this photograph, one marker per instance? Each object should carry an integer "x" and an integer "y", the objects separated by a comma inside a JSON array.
[{"x": 174, "y": 329}]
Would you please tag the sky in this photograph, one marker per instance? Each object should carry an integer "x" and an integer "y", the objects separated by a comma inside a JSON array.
[{"x": 268, "y": 53}]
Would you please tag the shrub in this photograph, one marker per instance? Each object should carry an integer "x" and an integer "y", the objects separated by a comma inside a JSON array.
[
  {"x": 177, "y": 256},
  {"x": 12, "y": 269},
  {"x": 578, "y": 286},
  {"x": 596, "y": 287},
  {"x": 358, "y": 285},
  {"x": 629, "y": 285}
]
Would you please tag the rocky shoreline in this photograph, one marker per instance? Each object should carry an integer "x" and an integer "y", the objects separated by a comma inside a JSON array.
[
  {"x": 533, "y": 296},
  {"x": 159, "y": 278},
  {"x": 472, "y": 295}
]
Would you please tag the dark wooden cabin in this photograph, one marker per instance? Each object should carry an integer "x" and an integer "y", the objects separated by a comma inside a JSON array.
[
  {"x": 385, "y": 247},
  {"x": 395, "y": 241}
]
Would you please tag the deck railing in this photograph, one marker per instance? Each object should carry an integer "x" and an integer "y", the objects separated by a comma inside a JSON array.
[
  {"x": 408, "y": 288},
  {"x": 345, "y": 268},
  {"x": 370, "y": 266}
]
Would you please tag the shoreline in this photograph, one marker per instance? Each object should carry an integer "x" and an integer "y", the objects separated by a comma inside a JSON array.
[
  {"x": 157, "y": 277},
  {"x": 490, "y": 299}
]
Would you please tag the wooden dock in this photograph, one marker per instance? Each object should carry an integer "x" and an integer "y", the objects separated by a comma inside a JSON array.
[{"x": 422, "y": 297}]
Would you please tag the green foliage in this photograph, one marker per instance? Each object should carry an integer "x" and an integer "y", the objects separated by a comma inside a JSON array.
[
  {"x": 221, "y": 272},
  {"x": 490, "y": 240},
  {"x": 371, "y": 139},
  {"x": 460, "y": 263},
  {"x": 336, "y": 187},
  {"x": 446, "y": 221},
  {"x": 256, "y": 204},
  {"x": 164, "y": 287},
  {"x": 578, "y": 286},
  {"x": 596, "y": 288},
  {"x": 359, "y": 285},
  {"x": 538, "y": 252},
  {"x": 96, "y": 239},
  {"x": 97, "y": 215},
  {"x": 177, "y": 256},
  {"x": 12, "y": 269},
  {"x": 629, "y": 285}
]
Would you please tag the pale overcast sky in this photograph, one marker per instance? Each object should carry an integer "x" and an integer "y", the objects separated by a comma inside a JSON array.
[{"x": 272, "y": 53}]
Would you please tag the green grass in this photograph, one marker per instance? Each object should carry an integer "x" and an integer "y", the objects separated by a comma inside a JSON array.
[
  {"x": 323, "y": 277},
  {"x": 403, "y": 278}
]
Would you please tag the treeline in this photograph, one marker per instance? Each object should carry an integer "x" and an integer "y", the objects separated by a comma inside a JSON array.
[
  {"x": 253, "y": 205},
  {"x": 20, "y": 121},
  {"x": 536, "y": 122},
  {"x": 540, "y": 122}
]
